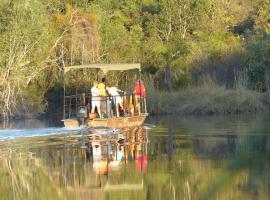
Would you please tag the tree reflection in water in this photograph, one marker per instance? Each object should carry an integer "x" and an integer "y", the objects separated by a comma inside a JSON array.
[
  {"x": 163, "y": 163},
  {"x": 58, "y": 169}
]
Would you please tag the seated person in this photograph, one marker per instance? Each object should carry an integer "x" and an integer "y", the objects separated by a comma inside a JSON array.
[{"x": 113, "y": 91}]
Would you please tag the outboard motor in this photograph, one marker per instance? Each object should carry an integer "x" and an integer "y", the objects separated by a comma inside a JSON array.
[{"x": 82, "y": 114}]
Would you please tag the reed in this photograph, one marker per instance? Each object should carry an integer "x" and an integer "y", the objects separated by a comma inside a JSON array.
[{"x": 207, "y": 99}]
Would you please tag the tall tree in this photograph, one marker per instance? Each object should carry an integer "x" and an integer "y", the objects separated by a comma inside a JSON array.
[
  {"x": 24, "y": 46},
  {"x": 168, "y": 29}
]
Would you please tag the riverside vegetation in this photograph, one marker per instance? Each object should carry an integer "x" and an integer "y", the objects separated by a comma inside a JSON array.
[{"x": 198, "y": 56}]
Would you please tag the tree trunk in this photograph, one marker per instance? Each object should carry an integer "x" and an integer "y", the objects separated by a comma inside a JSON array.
[{"x": 168, "y": 78}]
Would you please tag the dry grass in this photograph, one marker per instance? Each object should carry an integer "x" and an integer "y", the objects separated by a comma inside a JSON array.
[{"x": 208, "y": 99}]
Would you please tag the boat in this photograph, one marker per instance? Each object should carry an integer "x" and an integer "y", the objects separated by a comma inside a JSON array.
[{"x": 76, "y": 111}]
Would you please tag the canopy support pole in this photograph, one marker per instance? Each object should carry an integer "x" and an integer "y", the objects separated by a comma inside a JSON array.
[
  {"x": 64, "y": 76},
  {"x": 140, "y": 79}
]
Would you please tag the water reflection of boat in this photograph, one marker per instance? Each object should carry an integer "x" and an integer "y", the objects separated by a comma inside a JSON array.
[
  {"x": 108, "y": 154},
  {"x": 108, "y": 164}
]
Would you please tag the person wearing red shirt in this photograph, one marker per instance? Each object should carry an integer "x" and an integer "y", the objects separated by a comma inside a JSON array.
[
  {"x": 140, "y": 89},
  {"x": 140, "y": 94}
]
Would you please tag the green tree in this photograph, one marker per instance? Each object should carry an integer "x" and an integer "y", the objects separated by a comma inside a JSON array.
[
  {"x": 24, "y": 46},
  {"x": 258, "y": 48},
  {"x": 168, "y": 32}
]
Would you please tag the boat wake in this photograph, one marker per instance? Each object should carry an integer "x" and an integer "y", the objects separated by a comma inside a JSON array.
[
  {"x": 149, "y": 126},
  {"x": 36, "y": 132}
]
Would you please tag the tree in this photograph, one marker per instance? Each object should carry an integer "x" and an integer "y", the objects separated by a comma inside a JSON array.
[
  {"x": 24, "y": 46},
  {"x": 257, "y": 45},
  {"x": 168, "y": 30}
]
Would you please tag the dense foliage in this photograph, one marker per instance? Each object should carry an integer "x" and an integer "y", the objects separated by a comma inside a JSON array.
[{"x": 179, "y": 43}]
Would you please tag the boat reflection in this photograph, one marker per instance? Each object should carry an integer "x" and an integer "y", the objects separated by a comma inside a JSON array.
[
  {"x": 208, "y": 162},
  {"x": 106, "y": 162},
  {"x": 111, "y": 151}
]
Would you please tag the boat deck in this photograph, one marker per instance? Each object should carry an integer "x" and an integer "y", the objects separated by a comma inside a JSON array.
[{"x": 116, "y": 122}]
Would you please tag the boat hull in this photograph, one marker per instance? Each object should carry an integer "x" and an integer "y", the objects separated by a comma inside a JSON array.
[{"x": 119, "y": 122}]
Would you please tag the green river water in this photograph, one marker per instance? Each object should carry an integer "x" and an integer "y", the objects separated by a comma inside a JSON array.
[{"x": 206, "y": 157}]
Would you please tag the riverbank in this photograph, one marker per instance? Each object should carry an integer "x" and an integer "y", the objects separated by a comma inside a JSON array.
[
  {"x": 208, "y": 100},
  {"x": 203, "y": 100}
]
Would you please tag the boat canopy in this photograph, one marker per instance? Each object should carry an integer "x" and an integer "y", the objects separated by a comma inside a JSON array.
[{"x": 106, "y": 67}]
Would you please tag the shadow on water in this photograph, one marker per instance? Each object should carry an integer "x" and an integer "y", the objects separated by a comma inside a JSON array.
[{"x": 180, "y": 158}]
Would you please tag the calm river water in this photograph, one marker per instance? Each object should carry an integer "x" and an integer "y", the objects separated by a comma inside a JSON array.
[{"x": 213, "y": 157}]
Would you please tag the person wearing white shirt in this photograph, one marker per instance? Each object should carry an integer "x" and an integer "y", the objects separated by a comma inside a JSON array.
[
  {"x": 113, "y": 91},
  {"x": 95, "y": 98}
]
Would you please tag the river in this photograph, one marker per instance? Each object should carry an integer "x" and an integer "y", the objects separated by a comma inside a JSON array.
[{"x": 172, "y": 157}]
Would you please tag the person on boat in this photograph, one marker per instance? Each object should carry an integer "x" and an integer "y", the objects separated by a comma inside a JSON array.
[
  {"x": 95, "y": 98},
  {"x": 140, "y": 89},
  {"x": 139, "y": 96},
  {"x": 102, "y": 87},
  {"x": 102, "y": 94},
  {"x": 113, "y": 91}
]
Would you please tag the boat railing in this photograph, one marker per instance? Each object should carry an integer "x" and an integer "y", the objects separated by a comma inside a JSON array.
[{"x": 80, "y": 105}]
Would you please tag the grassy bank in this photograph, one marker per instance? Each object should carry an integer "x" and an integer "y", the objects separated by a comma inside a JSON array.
[
  {"x": 192, "y": 101},
  {"x": 207, "y": 100}
]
